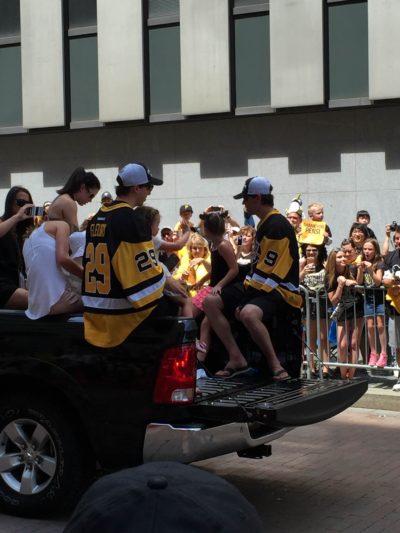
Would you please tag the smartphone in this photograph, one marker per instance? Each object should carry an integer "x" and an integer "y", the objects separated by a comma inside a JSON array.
[
  {"x": 35, "y": 211},
  {"x": 240, "y": 240}
]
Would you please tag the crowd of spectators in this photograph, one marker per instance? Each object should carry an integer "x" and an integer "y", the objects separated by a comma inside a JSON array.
[
  {"x": 41, "y": 268},
  {"x": 348, "y": 286}
]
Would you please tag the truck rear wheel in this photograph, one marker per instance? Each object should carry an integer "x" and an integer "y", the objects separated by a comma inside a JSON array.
[{"x": 42, "y": 461}]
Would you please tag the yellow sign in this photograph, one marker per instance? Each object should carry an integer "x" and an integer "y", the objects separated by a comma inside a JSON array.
[{"x": 312, "y": 232}]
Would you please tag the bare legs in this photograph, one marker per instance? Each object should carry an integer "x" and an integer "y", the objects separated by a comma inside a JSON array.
[
  {"x": 251, "y": 317},
  {"x": 349, "y": 329},
  {"x": 18, "y": 300},
  {"x": 213, "y": 307}
]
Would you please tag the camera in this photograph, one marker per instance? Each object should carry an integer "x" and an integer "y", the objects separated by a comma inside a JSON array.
[
  {"x": 195, "y": 229},
  {"x": 396, "y": 272},
  {"x": 393, "y": 226},
  {"x": 35, "y": 211},
  {"x": 240, "y": 240}
]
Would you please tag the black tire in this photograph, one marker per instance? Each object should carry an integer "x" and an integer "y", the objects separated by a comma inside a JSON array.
[{"x": 44, "y": 466}]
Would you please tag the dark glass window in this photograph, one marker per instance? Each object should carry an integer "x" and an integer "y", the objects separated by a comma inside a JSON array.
[
  {"x": 165, "y": 70},
  {"x": 82, "y": 13},
  {"x": 348, "y": 50},
  {"x": 9, "y": 18},
  {"x": 163, "y": 8},
  {"x": 249, "y": 3},
  {"x": 252, "y": 61},
  {"x": 84, "y": 78},
  {"x": 10, "y": 86}
]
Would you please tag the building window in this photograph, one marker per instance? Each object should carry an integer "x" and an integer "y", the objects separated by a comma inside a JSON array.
[
  {"x": 84, "y": 78},
  {"x": 10, "y": 64},
  {"x": 252, "y": 61},
  {"x": 159, "y": 9},
  {"x": 252, "y": 54},
  {"x": 164, "y": 57},
  {"x": 83, "y": 66},
  {"x": 348, "y": 50},
  {"x": 82, "y": 13}
]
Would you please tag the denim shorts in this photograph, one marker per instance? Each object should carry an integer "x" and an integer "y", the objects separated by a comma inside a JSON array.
[{"x": 373, "y": 304}]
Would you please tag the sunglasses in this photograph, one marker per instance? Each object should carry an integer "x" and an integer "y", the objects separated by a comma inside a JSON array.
[
  {"x": 20, "y": 202},
  {"x": 247, "y": 196},
  {"x": 146, "y": 186}
]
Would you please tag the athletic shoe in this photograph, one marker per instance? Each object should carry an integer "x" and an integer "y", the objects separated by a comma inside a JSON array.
[
  {"x": 382, "y": 361},
  {"x": 373, "y": 359},
  {"x": 396, "y": 387}
]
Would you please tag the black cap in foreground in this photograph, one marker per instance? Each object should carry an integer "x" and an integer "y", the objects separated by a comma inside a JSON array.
[{"x": 163, "y": 497}]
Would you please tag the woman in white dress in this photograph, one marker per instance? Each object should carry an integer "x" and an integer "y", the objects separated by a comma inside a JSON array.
[{"x": 46, "y": 255}]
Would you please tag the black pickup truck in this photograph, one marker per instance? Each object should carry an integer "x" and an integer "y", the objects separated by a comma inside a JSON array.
[{"x": 68, "y": 408}]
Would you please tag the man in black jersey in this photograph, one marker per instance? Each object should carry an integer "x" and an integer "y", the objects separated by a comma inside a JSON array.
[
  {"x": 271, "y": 286},
  {"x": 123, "y": 281}
]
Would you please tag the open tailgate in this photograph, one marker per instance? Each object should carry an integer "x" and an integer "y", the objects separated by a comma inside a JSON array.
[{"x": 297, "y": 402}]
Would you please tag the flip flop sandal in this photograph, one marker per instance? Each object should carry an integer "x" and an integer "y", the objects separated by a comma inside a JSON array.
[
  {"x": 232, "y": 372},
  {"x": 276, "y": 375}
]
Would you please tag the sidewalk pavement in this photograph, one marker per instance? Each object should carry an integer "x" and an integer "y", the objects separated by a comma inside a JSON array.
[{"x": 380, "y": 394}]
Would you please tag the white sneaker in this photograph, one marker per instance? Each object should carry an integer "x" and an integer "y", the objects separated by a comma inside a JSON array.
[{"x": 396, "y": 386}]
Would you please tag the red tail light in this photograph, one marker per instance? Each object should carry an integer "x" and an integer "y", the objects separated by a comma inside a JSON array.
[{"x": 176, "y": 379}]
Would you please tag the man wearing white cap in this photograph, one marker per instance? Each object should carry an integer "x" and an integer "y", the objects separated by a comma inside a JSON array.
[
  {"x": 123, "y": 282},
  {"x": 270, "y": 288}
]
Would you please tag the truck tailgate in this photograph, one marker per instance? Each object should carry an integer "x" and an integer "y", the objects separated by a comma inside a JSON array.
[{"x": 290, "y": 403}]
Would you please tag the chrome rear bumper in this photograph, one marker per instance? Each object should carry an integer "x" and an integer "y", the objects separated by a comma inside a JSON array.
[{"x": 188, "y": 443}]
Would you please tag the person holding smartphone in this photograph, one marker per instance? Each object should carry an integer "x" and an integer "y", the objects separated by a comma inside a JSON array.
[{"x": 14, "y": 223}]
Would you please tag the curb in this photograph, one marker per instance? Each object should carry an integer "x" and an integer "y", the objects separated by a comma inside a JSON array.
[{"x": 380, "y": 396}]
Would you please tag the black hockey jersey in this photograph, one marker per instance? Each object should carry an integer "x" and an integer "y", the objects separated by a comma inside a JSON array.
[{"x": 123, "y": 280}]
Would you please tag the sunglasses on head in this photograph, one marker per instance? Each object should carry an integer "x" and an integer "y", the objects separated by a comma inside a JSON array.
[{"x": 21, "y": 202}]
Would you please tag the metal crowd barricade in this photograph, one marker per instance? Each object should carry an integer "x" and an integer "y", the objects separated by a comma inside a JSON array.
[{"x": 319, "y": 298}]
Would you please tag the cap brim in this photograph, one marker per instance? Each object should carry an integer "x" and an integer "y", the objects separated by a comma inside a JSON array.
[
  {"x": 238, "y": 196},
  {"x": 155, "y": 181}
]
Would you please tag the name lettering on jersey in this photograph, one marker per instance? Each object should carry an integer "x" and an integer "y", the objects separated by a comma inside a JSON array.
[{"x": 98, "y": 230}]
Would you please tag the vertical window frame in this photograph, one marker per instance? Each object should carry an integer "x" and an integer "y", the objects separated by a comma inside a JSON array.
[
  {"x": 76, "y": 32},
  {"x": 334, "y": 103},
  {"x": 152, "y": 23},
  {"x": 9, "y": 41},
  {"x": 241, "y": 12}
]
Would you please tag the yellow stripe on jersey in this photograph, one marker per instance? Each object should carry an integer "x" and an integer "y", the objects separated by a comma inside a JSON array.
[{"x": 107, "y": 331}]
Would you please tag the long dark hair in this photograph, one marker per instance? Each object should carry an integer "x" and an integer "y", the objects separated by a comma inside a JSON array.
[
  {"x": 377, "y": 256},
  {"x": 10, "y": 200},
  {"x": 24, "y": 226},
  {"x": 322, "y": 254},
  {"x": 78, "y": 178},
  {"x": 214, "y": 221},
  {"x": 330, "y": 269}
]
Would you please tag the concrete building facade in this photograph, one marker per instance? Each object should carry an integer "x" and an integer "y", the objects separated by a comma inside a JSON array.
[{"x": 305, "y": 92}]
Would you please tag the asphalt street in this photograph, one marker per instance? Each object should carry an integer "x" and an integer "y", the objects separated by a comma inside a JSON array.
[{"x": 339, "y": 475}]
